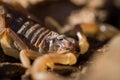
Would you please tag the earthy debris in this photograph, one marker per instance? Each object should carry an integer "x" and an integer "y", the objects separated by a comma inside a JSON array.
[{"x": 11, "y": 71}]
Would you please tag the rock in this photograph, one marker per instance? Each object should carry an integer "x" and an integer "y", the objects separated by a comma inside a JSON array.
[{"x": 105, "y": 64}]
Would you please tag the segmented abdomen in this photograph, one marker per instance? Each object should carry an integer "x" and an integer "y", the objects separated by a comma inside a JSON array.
[
  {"x": 33, "y": 32},
  {"x": 25, "y": 27}
]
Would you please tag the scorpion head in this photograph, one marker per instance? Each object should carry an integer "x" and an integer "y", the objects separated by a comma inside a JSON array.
[
  {"x": 58, "y": 42},
  {"x": 62, "y": 42}
]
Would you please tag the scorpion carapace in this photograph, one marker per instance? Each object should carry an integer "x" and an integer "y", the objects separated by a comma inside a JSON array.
[{"x": 38, "y": 36}]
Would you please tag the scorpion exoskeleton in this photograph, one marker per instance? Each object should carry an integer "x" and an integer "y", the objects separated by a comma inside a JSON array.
[{"x": 24, "y": 38}]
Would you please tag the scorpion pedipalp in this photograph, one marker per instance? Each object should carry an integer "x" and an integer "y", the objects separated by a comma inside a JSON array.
[
  {"x": 83, "y": 43},
  {"x": 49, "y": 60}
]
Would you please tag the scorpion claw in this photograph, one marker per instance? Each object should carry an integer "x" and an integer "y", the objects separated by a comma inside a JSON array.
[
  {"x": 42, "y": 63},
  {"x": 83, "y": 43}
]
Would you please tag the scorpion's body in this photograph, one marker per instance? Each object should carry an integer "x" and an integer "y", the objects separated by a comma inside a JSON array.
[
  {"x": 23, "y": 38},
  {"x": 35, "y": 35}
]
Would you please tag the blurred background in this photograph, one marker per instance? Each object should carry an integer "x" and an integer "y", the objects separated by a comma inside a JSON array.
[{"x": 102, "y": 61}]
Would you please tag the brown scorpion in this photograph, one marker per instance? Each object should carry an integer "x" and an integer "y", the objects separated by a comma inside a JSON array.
[{"x": 24, "y": 38}]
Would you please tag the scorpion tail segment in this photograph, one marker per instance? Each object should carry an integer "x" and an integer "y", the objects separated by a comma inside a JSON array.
[
  {"x": 42, "y": 63},
  {"x": 11, "y": 43},
  {"x": 83, "y": 43}
]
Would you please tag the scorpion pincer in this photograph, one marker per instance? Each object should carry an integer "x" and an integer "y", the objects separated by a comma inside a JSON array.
[{"x": 21, "y": 37}]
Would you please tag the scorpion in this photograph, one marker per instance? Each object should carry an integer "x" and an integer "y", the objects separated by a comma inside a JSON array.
[
  {"x": 25, "y": 39},
  {"x": 22, "y": 37}
]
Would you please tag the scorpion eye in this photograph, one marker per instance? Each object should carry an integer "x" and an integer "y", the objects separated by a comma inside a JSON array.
[{"x": 61, "y": 37}]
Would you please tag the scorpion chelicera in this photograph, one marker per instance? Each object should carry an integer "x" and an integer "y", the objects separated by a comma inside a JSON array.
[{"x": 24, "y": 38}]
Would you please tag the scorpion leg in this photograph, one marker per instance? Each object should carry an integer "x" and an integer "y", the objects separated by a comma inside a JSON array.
[
  {"x": 2, "y": 25},
  {"x": 26, "y": 55},
  {"x": 12, "y": 45},
  {"x": 42, "y": 63}
]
